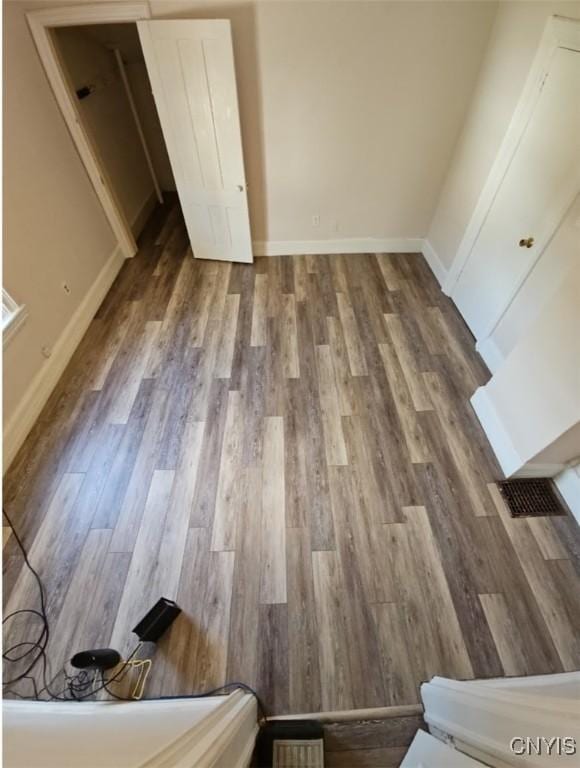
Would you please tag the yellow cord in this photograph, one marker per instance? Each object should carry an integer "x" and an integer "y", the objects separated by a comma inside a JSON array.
[{"x": 144, "y": 667}]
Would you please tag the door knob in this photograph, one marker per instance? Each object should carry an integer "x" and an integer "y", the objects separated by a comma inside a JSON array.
[
  {"x": 526, "y": 242},
  {"x": 240, "y": 187}
]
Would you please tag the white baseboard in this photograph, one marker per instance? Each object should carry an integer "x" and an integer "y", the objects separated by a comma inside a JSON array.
[
  {"x": 490, "y": 352},
  {"x": 28, "y": 409},
  {"x": 568, "y": 483},
  {"x": 347, "y": 245},
  {"x": 434, "y": 262},
  {"x": 509, "y": 459}
]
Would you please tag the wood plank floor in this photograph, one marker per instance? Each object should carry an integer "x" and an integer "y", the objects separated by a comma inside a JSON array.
[
  {"x": 370, "y": 743},
  {"x": 288, "y": 450}
]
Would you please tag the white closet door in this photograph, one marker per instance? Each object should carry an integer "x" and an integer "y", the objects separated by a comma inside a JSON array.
[
  {"x": 541, "y": 182},
  {"x": 191, "y": 68}
]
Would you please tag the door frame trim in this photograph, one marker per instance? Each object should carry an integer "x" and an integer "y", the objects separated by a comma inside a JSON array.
[
  {"x": 559, "y": 32},
  {"x": 41, "y": 24}
]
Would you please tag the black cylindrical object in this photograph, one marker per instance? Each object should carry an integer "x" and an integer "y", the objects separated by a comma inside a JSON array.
[{"x": 100, "y": 658}]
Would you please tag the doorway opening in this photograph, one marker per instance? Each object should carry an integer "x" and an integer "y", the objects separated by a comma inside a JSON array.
[
  {"x": 107, "y": 76},
  {"x": 190, "y": 64}
]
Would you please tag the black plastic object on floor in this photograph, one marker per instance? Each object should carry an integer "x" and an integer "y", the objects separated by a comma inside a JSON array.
[
  {"x": 283, "y": 730},
  {"x": 159, "y": 618},
  {"x": 100, "y": 658},
  {"x": 531, "y": 497}
]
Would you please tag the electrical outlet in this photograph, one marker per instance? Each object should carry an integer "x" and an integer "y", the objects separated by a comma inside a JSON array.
[
  {"x": 66, "y": 288},
  {"x": 46, "y": 352},
  {"x": 316, "y": 220}
]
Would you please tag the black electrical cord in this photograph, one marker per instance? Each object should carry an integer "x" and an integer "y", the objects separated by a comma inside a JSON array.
[
  {"x": 40, "y": 644},
  {"x": 262, "y": 716},
  {"x": 78, "y": 684},
  {"x": 214, "y": 692},
  {"x": 36, "y": 648}
]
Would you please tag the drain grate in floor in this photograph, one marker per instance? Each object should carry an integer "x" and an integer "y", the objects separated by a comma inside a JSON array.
[
  {"x": 531, "y": 497},
  {"x": 290, "y": 744},
  {"x": 295, "y": 753}
]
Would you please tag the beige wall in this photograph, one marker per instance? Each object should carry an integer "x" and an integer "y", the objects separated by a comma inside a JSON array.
[
  {"x": 54, "y": 228},
  {"x": 514, "y": 40},
  {"x": 107, "y": 118},
  {"x": 350, "y": 110}
]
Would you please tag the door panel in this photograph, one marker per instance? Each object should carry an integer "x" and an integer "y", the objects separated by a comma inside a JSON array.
[
  {"x": 191, "y": 68},
  {"x": 540, "y": 184}
]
